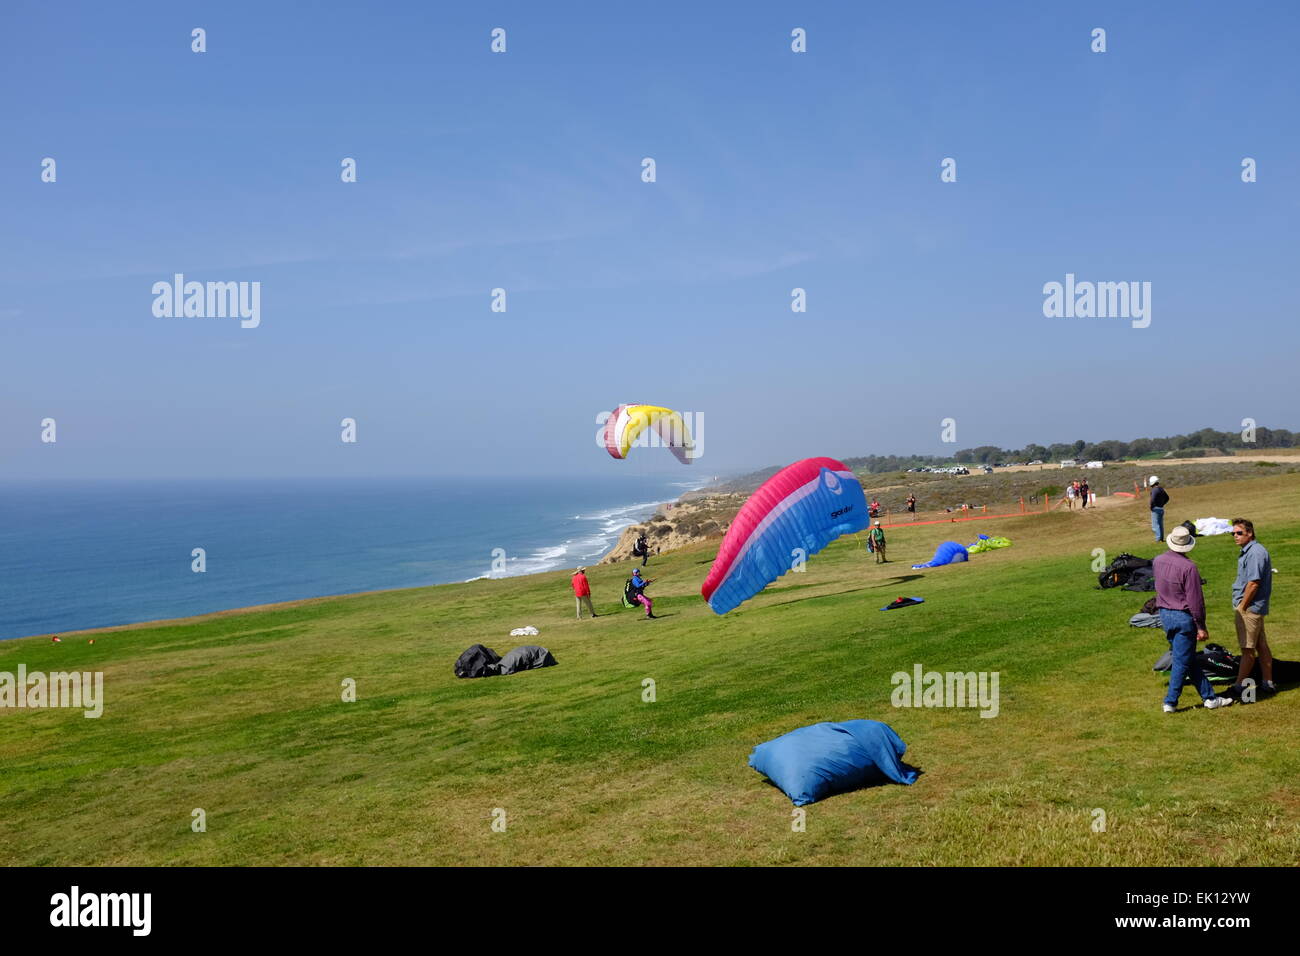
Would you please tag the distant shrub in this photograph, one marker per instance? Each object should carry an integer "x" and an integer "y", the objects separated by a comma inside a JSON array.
[
  {"x": 1196, "y": 453},
  {"x": 1049, "y": 490},
  {"x": 1266, "y": 464}
]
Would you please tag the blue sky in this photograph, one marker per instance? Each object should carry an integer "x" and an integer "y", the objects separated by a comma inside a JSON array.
[{"x": 522, "y": 170}]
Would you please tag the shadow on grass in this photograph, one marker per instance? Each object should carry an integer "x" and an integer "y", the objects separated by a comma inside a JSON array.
[
  {"x": 880, "y": 780},
  {"x": 895, "y": 581},
  {"x": 816, "y": 597},
  {"x": 900, "y": 579}
]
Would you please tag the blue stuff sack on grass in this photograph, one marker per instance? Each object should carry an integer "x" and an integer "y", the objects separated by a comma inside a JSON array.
[{"x": 812, "y": 763}]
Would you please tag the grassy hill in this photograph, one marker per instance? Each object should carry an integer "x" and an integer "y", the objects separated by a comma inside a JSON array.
[{"x": 240, "y": 714}]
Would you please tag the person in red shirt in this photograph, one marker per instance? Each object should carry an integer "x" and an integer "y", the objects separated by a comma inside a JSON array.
[{"x": 582, "y": 591}]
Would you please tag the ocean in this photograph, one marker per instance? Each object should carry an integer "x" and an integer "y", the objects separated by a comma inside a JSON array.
[{"x": 93, "y": 554}]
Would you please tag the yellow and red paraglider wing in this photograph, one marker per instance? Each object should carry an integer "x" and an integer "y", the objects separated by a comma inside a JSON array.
[{"x": 627, "y": 423}]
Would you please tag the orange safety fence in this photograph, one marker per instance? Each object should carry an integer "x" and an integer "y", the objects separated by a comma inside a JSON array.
[{"x": 964, "y": 515}]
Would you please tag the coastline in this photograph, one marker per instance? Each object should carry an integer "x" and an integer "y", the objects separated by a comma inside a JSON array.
[
  {"x": 581, "y": 546},
  {"x": 320, "y": 599},
  {"x": 574, "y": 551},
  {"x": 698, "y": 515}
]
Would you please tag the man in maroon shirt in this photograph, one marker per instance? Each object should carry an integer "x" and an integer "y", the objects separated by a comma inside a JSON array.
[{"x": 1182, "y": 613}]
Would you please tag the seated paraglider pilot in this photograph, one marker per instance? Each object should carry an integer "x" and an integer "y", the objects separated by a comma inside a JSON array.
[{"x": 639, "y": 585}]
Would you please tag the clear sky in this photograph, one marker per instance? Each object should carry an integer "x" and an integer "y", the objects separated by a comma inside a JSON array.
[{"x": 522, "y": 170}]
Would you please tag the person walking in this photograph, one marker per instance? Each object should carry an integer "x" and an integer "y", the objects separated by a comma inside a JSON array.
[
  {"x": 1182, "y": 614},
  {"x": 1070, "y": 493},
  {"x": 1083, "y": 491},
  {"x": 878, "y": 543},
  {"x": 1159, "y": 498},
  {"x": 911, "y": 505},
  {"x": 582, "y": 591},
  {"x": 641, "y": 549},
  {"x": 639, "y": 584},
  {"x": 1250, "y": 594}
]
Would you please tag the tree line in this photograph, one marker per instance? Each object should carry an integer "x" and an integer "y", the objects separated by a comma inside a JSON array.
[
  {"x": 1110, "y": 450},
  {"x": 1080, "y": 450},
  {"x": 1115, "y": 450}
]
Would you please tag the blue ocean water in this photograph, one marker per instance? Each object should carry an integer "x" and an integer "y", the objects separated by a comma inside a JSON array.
[{"x": 92, "y": 554}]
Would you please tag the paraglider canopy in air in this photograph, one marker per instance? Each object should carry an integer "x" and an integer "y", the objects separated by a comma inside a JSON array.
[
  {"x": 627, "y": 423},
  {"x": 793, "y": 515}
]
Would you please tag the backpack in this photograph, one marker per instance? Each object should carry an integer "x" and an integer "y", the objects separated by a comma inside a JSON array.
[
  {"x": 1120, "y": 570},
  {"x": 1141, "y": 579},
  {"x": 629, "y": 595},
  {"x": 1218, "y": 663},
  {"x": 526, "y": 658},
  {"x": 477, "y": 661}
]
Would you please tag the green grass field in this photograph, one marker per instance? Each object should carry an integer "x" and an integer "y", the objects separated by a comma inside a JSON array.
[{"x": 241, "y": 715}]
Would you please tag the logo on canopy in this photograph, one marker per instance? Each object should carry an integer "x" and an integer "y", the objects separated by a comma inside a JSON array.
[{"x": 832, "y": 482}]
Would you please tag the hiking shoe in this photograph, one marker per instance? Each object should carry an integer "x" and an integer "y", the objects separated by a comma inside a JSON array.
[
  {"x": 1268, "y": 687},
  {"x": 1169, "y": 708},
  {"x": 1216, "y": 702}
]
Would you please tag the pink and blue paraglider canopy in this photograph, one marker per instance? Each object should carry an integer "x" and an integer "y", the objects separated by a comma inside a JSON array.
[{"x": 794, "y": 514}]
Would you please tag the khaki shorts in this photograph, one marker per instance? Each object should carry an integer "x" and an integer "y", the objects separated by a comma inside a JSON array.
[{"x": 1250, "y": 630}]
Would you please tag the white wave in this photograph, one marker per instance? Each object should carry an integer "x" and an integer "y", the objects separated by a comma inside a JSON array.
[
  {"x": 618, "y": 512},
  {"x": 580, "y": 550}
]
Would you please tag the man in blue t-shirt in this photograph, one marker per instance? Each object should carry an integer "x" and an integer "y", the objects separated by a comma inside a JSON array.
[{"x": 1250, "y": 594}]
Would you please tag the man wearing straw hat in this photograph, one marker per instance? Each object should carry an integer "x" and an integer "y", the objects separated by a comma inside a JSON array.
[{"x": 1182, "y": 614}]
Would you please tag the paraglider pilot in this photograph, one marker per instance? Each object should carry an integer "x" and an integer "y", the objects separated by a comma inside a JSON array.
[
  {"x": 639, "y": 584},
  {"x": 878, "y": 543}
]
